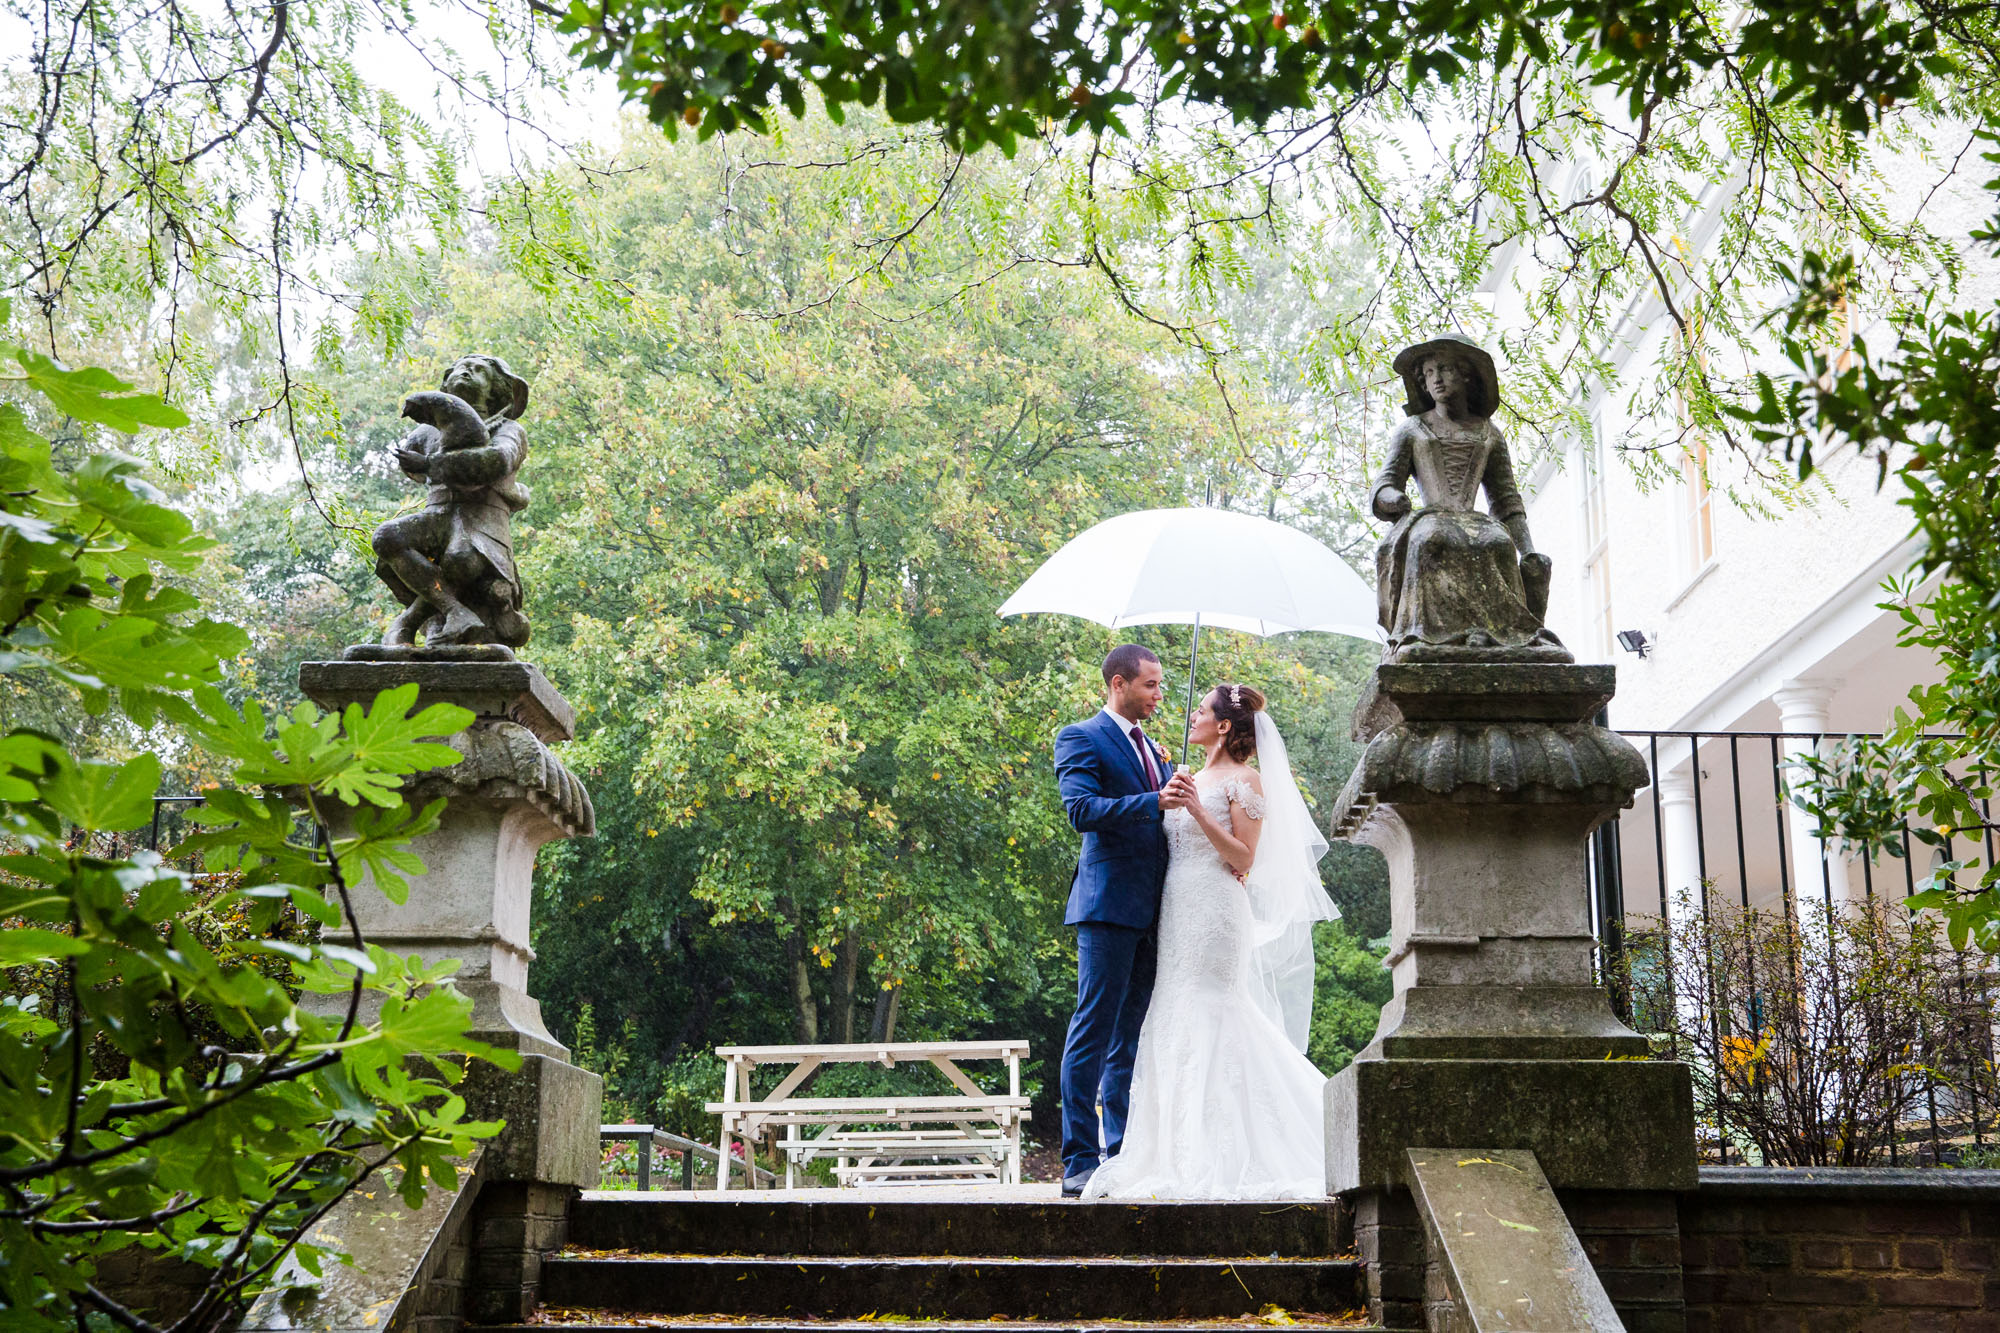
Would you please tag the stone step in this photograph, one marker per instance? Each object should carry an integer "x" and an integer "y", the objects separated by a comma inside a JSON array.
[
  {"x": 597, "y": 1321},
  {"x": 930, "y": 1287},
  {"x": 676, "y": 1224}
]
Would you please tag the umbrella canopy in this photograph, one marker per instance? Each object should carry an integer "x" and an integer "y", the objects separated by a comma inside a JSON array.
[{"x": 1210, "y": 567}]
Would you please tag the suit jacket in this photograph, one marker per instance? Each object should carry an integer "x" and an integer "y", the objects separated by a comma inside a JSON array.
[{"x": 1108, "y": 800}]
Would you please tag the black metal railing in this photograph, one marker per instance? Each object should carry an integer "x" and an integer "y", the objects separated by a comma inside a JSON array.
[
  {"x": 1735, "y": 842},
  {"x": 648, "y": 1140},
  {"x": 1749, "y": 856},
  {"x": 168, "y": 814}
]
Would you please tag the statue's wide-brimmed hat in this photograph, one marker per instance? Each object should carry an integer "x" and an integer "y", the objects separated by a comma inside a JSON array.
[{"x": 1409, "y": 363}]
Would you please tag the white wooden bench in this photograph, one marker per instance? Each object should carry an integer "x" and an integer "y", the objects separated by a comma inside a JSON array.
[{"x": 972, "y": 1135}]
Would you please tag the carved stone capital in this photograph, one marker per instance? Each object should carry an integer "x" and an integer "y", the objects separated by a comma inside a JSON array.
[
  {"x": 1488, "y": 733},
  {"x": 1530, "y": 763},
  {"x": 504, "y": 762}
]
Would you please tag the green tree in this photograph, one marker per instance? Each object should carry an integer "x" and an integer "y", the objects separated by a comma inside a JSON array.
[
  {"x": 163, "y": 1088},
  {"x": 1196, "y": 120},
  {"x": 1350, "y": 986},
  {"x": 1187, "y": 141},
  {"x": 764, "y": 557}
]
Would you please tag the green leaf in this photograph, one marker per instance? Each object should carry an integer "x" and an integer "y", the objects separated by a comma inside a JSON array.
[
  {"x": 389, "y": 743},
  {"x": 31, "y": 944},
  {"x": 104, "y": 798},
  {"x": 282, "y": 948},
  {"x": 316, "y": 905},
  {"x": 111, "y": 485},
  {"x": 354, "y": 958},
  {"x": 92, "y": 394},
  {"x": 29, "y": 528}
]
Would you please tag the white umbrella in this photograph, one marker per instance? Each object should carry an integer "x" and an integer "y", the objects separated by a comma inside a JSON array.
[{"x": 1200, "y": 567}]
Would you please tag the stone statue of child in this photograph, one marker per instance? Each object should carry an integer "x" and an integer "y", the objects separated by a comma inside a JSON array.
[
  {"x": 452, "y": 563},
  {"x": 1452, "y": 583}
]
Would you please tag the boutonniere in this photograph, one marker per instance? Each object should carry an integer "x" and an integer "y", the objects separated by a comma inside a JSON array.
[{"x": 1166, "y": 755}]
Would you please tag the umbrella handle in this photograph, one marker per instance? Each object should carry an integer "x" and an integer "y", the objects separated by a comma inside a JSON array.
[{"x": 1194, "y": 656}]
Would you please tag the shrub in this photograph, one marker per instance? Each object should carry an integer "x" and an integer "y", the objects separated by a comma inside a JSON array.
[{"x": 1819, "y": 1042}]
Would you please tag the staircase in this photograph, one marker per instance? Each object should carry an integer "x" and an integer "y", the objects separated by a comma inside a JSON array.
[{"x": 771, "y": 1267}]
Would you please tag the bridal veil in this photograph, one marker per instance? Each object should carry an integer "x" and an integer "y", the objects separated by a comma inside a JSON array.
[{"x": 1286, "y": 897}]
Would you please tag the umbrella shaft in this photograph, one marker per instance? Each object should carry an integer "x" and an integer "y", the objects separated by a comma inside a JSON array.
[{"x": 1194, "y": 656}]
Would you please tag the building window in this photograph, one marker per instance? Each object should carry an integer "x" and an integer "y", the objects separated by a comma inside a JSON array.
[
  {"x": 1596, "y": 543},
  {"x": 1599, "y": 572},
  {"x": 1697, "y": 507}
]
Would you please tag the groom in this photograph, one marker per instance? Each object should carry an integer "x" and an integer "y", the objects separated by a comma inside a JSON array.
[{"x": 1110, "y": 778}]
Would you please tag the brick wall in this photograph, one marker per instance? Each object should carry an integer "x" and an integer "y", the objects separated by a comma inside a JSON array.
[
  {"x": 1632, "y": 1238},
  {"x": 1886, "y": 1251},
  {"x": 1752, "y": 1250},
  {"x": 515, "y": 1225},
  {"x": 440, "y": 1293},
  {"x": 1634, "y": 1242},
  {"x": 1389, "y": 1240}
]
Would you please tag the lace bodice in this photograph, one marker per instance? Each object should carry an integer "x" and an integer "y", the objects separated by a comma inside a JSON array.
[{"x": 1184, "y": 836}]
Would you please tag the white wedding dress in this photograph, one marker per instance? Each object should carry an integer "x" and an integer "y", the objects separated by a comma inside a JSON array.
[{"x": 1224, "y": 1104}]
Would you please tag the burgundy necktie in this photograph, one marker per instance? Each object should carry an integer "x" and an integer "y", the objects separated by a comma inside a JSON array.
[{"x": 1146, "y": 757}]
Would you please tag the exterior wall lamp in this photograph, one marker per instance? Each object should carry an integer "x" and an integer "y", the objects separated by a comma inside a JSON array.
[{"x": 1635, "y": 641}]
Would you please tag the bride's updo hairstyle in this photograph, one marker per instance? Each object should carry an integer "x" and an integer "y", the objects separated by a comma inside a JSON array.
[{"x": 1238, "y": 705}]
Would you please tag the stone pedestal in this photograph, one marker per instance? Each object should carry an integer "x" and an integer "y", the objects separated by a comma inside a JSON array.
[
  {"x": 504, "y": 799},
  {"x": 1480, "y": 784},
  {"x": 507, "y": 797}
]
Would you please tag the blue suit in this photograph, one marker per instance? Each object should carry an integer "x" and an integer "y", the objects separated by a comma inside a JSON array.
[{"x": 1114, "y": 900}]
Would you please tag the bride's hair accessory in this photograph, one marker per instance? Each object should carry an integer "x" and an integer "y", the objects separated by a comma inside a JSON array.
[{"x": 1238, "y": 705}]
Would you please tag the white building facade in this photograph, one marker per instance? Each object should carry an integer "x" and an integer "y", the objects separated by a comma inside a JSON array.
[{"x": 1746, "y": 636}]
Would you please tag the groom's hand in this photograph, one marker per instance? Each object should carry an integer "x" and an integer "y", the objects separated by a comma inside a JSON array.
[{"x": 1178, "y": 794}]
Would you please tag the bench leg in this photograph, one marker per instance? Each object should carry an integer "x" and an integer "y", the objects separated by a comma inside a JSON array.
[
  {"x": 645, "y": 1166},
  {"x": 722, "y": 1160}
]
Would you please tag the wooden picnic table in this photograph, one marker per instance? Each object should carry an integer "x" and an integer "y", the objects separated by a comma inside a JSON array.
[{"x": 876, "y": 1137}]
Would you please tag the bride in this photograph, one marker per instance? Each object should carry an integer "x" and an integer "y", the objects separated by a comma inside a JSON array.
[{"x": 1225, "y": 1104}]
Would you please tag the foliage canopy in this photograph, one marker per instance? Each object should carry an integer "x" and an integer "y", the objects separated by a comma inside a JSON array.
[
  {"x": 998, "y": 73},
  {"x": 773, "y": 517}
]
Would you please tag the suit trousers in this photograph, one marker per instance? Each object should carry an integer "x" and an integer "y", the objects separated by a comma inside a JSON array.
[{"x": 1114, "y": 982}]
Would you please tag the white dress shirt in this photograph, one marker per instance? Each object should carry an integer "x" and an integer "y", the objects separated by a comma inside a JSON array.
[{"x": 1125, "y": 724}]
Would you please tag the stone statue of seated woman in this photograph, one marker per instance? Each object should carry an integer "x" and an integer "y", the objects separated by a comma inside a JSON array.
[{"x": 1452, "y": 583}]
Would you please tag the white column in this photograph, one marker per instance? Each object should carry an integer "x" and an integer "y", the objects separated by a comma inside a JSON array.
[
  {"x": 1681, "y": 837},
  {"x": 1803, "y": 707}
]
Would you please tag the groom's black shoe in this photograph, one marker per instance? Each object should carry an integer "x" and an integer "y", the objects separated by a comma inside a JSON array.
[{"x": 1073, "y": 1185}]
